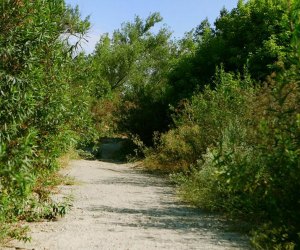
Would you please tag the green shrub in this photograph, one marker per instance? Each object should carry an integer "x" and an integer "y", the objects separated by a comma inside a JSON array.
[
  {"x": 39, "y": 114},
  {"x": 176, "y": 150},
  {"x": 201, "y": 123},
  {"x": 243, "y": 156}
]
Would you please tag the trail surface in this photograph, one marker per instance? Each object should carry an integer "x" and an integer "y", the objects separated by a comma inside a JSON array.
[{"x": 118, "y": 207}]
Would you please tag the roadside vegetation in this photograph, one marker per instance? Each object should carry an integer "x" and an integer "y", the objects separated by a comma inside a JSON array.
[
  {"x": 218, "y": 110},
  {"x": 44, "y": 108}
]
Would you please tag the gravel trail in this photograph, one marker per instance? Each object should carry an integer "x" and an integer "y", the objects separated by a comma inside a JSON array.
[{"x": 118, "y": 207}]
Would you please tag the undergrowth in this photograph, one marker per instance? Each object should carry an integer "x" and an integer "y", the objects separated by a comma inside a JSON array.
[
  {"x": 40, "y": 204},
  {"x": 235, "y": 149}
]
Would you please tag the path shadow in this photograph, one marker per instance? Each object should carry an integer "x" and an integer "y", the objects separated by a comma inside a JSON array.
[
  {"x": 137, "y": 181},
  {"x": 177, "y": 217},
  {"x": 112, "y": 150},
  {"x": 169, "y": 213}
]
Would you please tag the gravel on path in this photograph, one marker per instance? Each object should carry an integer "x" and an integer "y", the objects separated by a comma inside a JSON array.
[{"x": 118, "y": 207}]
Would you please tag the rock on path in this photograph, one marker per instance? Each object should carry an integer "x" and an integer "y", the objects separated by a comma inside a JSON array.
[{"x": 118, "y": 207}]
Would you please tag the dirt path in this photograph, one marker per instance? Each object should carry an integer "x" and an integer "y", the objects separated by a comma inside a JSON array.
[{"x": 117, "y": 207}]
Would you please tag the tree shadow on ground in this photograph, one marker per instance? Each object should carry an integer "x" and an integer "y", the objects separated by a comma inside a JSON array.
[
  {"x": 167, "y": 214},
  {"x": 179, "y": 218},
  {"x": 112, "y": 150}
]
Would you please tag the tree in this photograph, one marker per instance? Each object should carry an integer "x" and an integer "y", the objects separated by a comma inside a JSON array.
[
  {"x": 134, "y": 62},
  {"x": 255, "y": 35}
]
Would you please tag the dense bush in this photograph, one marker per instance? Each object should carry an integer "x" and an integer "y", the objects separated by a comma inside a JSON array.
[
  {"x": 103, "y": 110},
  {"x": 202, "y": 121},
  {"x": 237, "y": 148},
  {"x": 38, "y": 121}
]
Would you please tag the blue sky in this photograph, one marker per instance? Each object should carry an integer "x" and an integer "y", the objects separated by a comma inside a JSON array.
[{"x": 179, "y": 15}]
